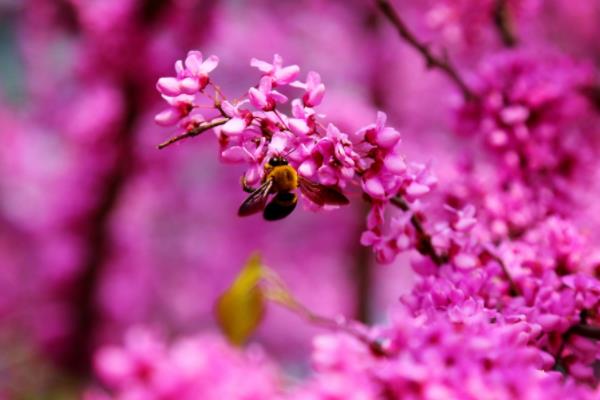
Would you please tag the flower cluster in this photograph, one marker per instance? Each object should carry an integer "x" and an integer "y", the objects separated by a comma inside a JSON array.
[
  {"x": 429, "y": 357},
  {"x": 253, "y": 129},
  {"x": 502, "y": 298},
  {"x": 196, "y": 367},
  {"x": 532, "y": 114},
  {"x": 436, "y": 358},
  {"x": 540, "y": 285}
]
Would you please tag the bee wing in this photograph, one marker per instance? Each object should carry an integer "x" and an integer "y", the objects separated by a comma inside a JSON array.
[
  {"x": 321, "y": 194},
  {"x": 281, "y": 206},
  {"x": 257, "y": 200}
]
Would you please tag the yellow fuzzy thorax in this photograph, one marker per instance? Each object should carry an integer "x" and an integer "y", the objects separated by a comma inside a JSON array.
[{"x": 285, "y": 178}]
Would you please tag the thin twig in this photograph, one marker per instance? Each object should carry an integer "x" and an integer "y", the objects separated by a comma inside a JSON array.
[
  {"x": 580, "y": 329},
  {"x": 513, "y": 288},
  {"x": 433, "y": 61},
  {"x": 586, "y": 331},
  {"x": 362, "y": 273},
  {"x": 194, "y": 132},
  {"x": 503, "y": 23},
  {"x": 277, "y": 292},
  {"x": 425, "y": 246},
  {"x": 558, "y": 364}
]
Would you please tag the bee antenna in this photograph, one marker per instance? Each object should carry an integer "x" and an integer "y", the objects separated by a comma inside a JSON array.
[{"x": 290, "y": 152}]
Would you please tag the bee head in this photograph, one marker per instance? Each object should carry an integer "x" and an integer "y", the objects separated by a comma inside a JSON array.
[{"x": 277, "y": 161}]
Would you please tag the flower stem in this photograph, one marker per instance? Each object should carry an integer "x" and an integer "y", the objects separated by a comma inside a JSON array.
[
  {"x": 424, "y": 246},
  {"x": 194, "y": 132},
  {"x": 586, "y": 331}
]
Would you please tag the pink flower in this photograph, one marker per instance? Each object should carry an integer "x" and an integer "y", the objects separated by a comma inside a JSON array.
[
  {"x": 304, "y": 119},
  {"x": 180, "y": 107},
  {"x": 314, "y": 89},
  {"x": 192, "y": 75},
  {"x": 379, "y": 134},
  {"x": 240, "y": 118},
  {"x": 279, "y": 74},
  {"x": 265, "y": 98}
]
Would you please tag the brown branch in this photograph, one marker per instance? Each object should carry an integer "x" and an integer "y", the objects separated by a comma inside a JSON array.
[
  {"x": 442, "y": 62},
  {"x": 502, "y": 21},
  {"x": 424, "y": 246},
  {"x": 586, "y": 331},
  {"x": 580, "y": 329},
  {"x": 194, "y": 132},
  {"x": 97, "y": 242}
]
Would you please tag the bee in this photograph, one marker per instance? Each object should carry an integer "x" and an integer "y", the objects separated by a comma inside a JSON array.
[{"x": 281, "y": 179}]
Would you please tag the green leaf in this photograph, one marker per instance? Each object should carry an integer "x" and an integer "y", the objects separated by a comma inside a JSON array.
[{"x": 241, "y": 308}]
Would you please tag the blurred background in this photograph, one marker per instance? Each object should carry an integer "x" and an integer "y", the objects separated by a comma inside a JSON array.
[{"x": 100, "y": 231}]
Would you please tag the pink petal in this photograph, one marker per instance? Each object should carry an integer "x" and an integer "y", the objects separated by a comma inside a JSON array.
[
  {"x": 234, "y": 126},
  {"x": 209, "y": 65},
  {"x": 189, "y": 85},
  {"x": 369, "y": 238},
  {"x": 387, "y": 138},
  {"x": 307, "y": 168},
  {"x": 465, "y": 261},
  {"x": 113, "y": 365},
  {"x": 277, "y": 60},
  {"x": 298, "y": 126},
  {"x": 374, "y": 188},
  {"x": 257, "y": 98},
  {"x": 253, "y": 175},
  {"x": 375, "y": 216},
  {"x": 327, "y": 175},
  {"x": 168, "y": 86},
  {"x": 179, "y": 99},
  {"x": 193, "y": 62},
  {"x": 277, "y": 97},
  {"x": 395, "y": 163},
  {"x": 380, "y": 121},
  {"x": 229, "y": 109},
  {"x": 299, "y": 85},
  {"x": 287, "y": 74},
  {"x": 167, "y": 117},
  {"x": 262, "y": 66},
  {"x": 549, "y": 322},
  {"x": 265, "y": 85},
  {"x": 179, "y": 68},
  {"x": 313, "y": 79},
  {"x": 416, "y": 189},
  {"x": 384, "y": 253},
  {"x": 234, "y": 154},
  {"x": 315, "y": 96},
  {"x": 279, "y": 142},
  {"x": 513, "y": 115}
]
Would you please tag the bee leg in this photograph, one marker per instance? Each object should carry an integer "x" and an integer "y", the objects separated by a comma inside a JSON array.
[{"x": 245, "y": 187}]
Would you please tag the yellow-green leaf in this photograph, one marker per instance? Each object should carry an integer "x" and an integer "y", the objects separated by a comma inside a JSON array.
[{"x": 240, "y": 309}]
